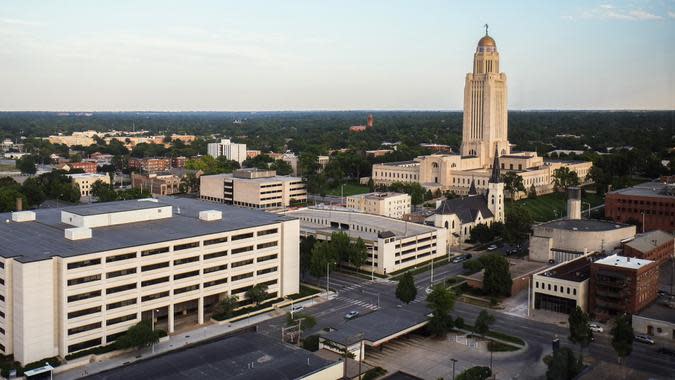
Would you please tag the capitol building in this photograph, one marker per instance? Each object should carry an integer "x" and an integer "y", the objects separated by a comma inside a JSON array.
[{"x": 484, "y": 135}]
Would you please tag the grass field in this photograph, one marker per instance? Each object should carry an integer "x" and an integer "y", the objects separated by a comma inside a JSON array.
[
  {"x": 349, "y": 189},
  {"x": 552, "y": 206}
]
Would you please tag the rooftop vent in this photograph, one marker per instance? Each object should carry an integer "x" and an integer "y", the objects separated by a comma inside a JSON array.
[
  {"x": 210, "y": 215},
  {"x": 78, "y": 233},
  {"x": 23, "y": 216}
]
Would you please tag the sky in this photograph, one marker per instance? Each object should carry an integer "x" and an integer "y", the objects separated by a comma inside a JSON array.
[{"x": 254, "y": 55}]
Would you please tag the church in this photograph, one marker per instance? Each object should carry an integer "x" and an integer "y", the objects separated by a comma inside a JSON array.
[{"x": 484, "y": 137}]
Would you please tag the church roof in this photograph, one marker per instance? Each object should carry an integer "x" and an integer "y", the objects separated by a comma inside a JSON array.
[
  {"x": 496, "y": 177},
  {"x": 466, "y": 209}
]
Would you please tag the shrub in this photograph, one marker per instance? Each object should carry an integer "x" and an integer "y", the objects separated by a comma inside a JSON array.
[{"x": 311, "y": 343}]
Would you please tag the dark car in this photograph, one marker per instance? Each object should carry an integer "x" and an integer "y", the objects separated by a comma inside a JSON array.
[{"x": 461, "y": 258}]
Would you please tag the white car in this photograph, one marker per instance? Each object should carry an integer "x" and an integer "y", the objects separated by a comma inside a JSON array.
[
  {"x": 297, "y": 308},
  {"x": 596, "y": 327},
  {"x": 352, "y": 314},
  {"x": 492, "y": 247},
  {"x": 428, "y": 290},
  {"x": 644, "y": 339}
]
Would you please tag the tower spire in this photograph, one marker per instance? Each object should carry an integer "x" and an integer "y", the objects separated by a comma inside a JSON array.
[{"x": 496, "y": 177}]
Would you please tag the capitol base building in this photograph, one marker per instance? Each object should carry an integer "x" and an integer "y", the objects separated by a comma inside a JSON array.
[{"x": 484, "y": 135}]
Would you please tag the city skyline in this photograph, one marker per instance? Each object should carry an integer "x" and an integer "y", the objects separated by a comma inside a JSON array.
[{"x": 76, "y": 56}]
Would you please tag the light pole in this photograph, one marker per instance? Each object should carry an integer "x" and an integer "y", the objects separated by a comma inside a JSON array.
[
  {"x": 153, "y": 327},
  {"x": 453, "y": 360},
  {"x": 431, "y": 280}
]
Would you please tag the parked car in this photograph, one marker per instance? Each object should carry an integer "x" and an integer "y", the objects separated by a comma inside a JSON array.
[
  {"x": 492, "y": 247},
  {"x": 644, "y": 339},
  {"x": 666, "y": 351},
  {"x": 297, "y": 308},
  {"x": 428, "y": 290},
  {"x": 596, "y": 327},
  {"x": 461, "y": 258},
  {"x": 352, "y": 314}
]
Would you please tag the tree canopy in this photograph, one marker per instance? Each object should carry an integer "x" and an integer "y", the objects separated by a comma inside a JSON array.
[
  {"x": 406, "y": 291},
  {"x": 497, "y": 276},
  {"x": 622, "y": 336}
]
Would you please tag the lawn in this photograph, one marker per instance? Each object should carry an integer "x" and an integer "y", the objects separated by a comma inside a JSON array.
[
  {"x": 349, "y": 189},
  {"x": 552, "y": 206}
]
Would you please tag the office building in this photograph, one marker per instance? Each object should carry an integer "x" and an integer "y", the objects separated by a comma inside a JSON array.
[
  {"x": 231, "y": 151},
  {"x": 393, "y": 205},
  {"x": 621, "y": 285},
  {"x": 150, "y": 165},
  {"x": 79, "y": 277},
  {"x": 657, "y": 246},
  {"x": 563, "y": 287},
  {"x": 85, "y": 181},
  {"x": 650, "y": 205},
  {"x": 392, "y": 244},
  {"x": 253, "y": 188},
  {"x": 163, "y": 183}
]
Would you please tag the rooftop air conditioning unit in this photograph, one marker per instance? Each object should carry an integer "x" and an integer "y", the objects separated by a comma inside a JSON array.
[
  {"x": 210, "y": 215},
  {"x": 23, "y": 216},
  {"x": 78, "y": 233}
]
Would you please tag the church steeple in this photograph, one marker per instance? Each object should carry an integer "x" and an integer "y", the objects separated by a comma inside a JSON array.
[{"x": 496, "y": 177}]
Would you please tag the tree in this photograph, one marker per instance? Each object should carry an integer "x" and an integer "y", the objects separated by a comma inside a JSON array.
[
  {"x": 513, "y": 183},
  {"x": 532, "y": 193},
  {"x": 580, "y": 329},
  {"x": 8, "y": 196},
  {"x": 138, "y": 336},
  {"x": 441, "y": 300},
  {"x": 225, "y": 307},
  {"x": 475, "y": 373},
  {"x": 406, "y": 290},
  {"x": 564, "y": 178},
  {"x": 306, "y": 246},
  {"x": 308, "y": 321},
  {"x": 33, "y": 191},
  {"x": 26, "y": 165},
  {"x": 518, "y": 224},
  {"x": 622, "y": 336},
  {"x": 563, "y": 365},
  {"x": 323, "y": 256},
  {"x": 103, "y": 192},
  {"x": 341, "y": 245},
  {"x": 483, "y": 322},
  {"x": 257, "y": 293},
  {"x": 358, "y": 253},
  {"x": 496, "y": 277}
]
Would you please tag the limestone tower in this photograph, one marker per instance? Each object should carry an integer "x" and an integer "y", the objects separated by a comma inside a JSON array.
[
  {"x": 485, "y": 109},
  {"x": 495, "y": 192}
]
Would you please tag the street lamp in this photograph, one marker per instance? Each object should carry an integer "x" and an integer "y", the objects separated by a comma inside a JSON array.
[
  {"x": 453, "y": 360},
  {"x": 153, "y": 327}
]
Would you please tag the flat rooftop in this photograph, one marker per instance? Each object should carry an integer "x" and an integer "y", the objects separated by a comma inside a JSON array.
[
  {"x": 518, "y": 268},
  {"x": 624, "y": 262},
  {"x": 376, "y": 326},
  {"x": 275, "y": 178},
  {"x": 377, "y": 195},
  {"x": 650, "y": 240},
  {"x": 583, "y": 225},
  {"x": 648, "y": 189},
  {"x": 577, "y": 270},
  {"x": 658, "y": 312},
  {"x": 247, "y": 356},
  {"x": 44, "y": 238},
  {"x": 372, "y": 224}
]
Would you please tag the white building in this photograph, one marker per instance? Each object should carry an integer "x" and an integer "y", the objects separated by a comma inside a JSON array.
[
  {"x": 392, "y": 244},
  {"x": 79, "y": 277},
  {"x": 253, "y": 188},
  {"x": 393, "y": 205},
  {"x": 85, "y": 181},
  {"x": 232, "y": 151},
  {"x": 563, "y": 287}
]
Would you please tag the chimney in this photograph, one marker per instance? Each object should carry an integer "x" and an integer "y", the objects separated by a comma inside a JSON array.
[
  {"x": 19, "y": 204},
  {"x": 574, "y": 203}
]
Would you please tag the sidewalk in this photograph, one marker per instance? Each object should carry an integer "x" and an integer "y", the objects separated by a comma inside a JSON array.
[{"x": 176, "y": 341}]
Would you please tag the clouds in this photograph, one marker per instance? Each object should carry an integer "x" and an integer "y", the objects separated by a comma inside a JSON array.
[{"x": 622, "y": 13}]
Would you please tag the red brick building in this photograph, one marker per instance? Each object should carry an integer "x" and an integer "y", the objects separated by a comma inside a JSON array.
[
  {"x": 178, "y": 162},
  {"x": 651, "y": 205},
  {"x": 87, "y": 166},
  {"x": 657, "y": 246},
  {"x": 620, "y": 284},
  {"x": 150, "y": 165}
]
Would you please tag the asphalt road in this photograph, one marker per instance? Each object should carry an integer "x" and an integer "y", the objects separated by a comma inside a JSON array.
[{"x": 355, "y": 293}]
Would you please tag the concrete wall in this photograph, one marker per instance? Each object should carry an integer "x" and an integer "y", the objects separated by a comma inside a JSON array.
[
  {"x": 577, "y": 241},
  {"x": 290, "y": 260},
  {"x": 654, "y": 327},
  {"x": 543, "y": 282}
]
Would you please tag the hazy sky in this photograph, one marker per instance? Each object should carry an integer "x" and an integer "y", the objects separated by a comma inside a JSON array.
[{"x": 331, "y": 55}]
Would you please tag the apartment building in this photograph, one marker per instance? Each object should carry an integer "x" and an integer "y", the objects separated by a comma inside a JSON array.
[
  {"x": 85, "y": 181},
  {"x": 79, "y": 277},
  {"x": 392, "y": 244},
  {"x": 232, "y": 151},
  {"x": 393, "y": 205},
  {"x": 622, "y": 284},
  {"x": 252, "y": 188},
  {"x": 150, "y": 165}
]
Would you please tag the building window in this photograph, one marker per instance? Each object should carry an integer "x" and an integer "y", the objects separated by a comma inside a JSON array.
[
  {"x": 186, "y": 260},
  {"x": 268, "y": 232},
  {"x": 242, "y": 263},
  {"x": 186, "y": 289},
  {"x": 242, "y": 236},
  {"x": 82, "y": 280},
  {"x": 155, "y": 251},
  {"x": 215, "y": 269},
  {"x": 154, "y": 281},
  {"x": 84, "y": 345},
  {"x": 242, "y": 276},
  {"x": 181, "y": 247},
  {"x": 121, "y": 288},
  {"x": 121, "y": 319},
  {"x": 83, "y": 263},
  {"x": 215, "y": 255},
  {"x": 116, "y": 305},
  {"x": 215, "y": 282},
  {"x": 154, "y": 296},
  {"x": 84, "y": 296},
  {"x": 265, "y": 271},
  {"x": 267, "y": 245},
  {"x": 216, "y": 241},
  {"x": 119, "y": 273},
  {"x": 79, "y": 329},
  {"x": 126, "y": 256},
  {"x": 185, "y": 275},
  {"x": 242, "y": 250},
  {"x": 80, "y": 313},
  {"x": 150, "y": 267},
  {"x": 266, "y": 258}
]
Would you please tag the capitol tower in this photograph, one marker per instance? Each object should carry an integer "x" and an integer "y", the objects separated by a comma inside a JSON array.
[{"x": 485, "y": 125}]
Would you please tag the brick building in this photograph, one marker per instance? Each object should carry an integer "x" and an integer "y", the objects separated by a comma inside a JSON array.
[
  {"x": 87, "y": 166},
  {"x": 178, "y": 162},
  {"x": 622, "y": 284},
  {"x": 650, "y": 205},
  {"x": 150, "y": 165},
  {"x": 657, "y": 246}
]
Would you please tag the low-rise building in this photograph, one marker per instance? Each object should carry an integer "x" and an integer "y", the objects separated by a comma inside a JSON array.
[
  {"x": 90, "y": 272},
  {"x": 657, "y": 320},
  {"x": 650, "y": 205},
  {"x": 164, "y": 183},
  {"x": 563, "y": 287},
  {"x": 231, "y": 151},
  {"x": 521, "y": 272},
  {"x": 85, "y": 181},
  {"x": 393, "y": 205},
  {"x": 150, "y": 165},
  {"x": 622, "y": 284},
  {"x": 253, "y": 188},
  {"x": 87, "y": 166},
  {"x": 378, "y": 152},
  {"x": 178, "y": 162},
  {"x": 392, "y": 244},
  {"x": 657, "y": 246}
]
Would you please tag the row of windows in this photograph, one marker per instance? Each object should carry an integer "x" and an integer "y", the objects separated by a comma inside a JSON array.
[
  {"x": 384, "y": 174},
  {"x": 572, "y": 291}
]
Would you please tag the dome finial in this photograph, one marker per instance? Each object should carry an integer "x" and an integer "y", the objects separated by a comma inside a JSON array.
[{"x": 486, "y": 29}]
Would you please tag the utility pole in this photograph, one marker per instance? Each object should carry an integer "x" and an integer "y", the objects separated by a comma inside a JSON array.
[
  {"x": 327, "y": 278},
  {"x": 431, "y": 280},
  {"x": 453, "y": 360}
]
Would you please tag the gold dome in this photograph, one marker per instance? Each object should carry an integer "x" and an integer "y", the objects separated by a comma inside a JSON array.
[{"x": 487, "y": 41}]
